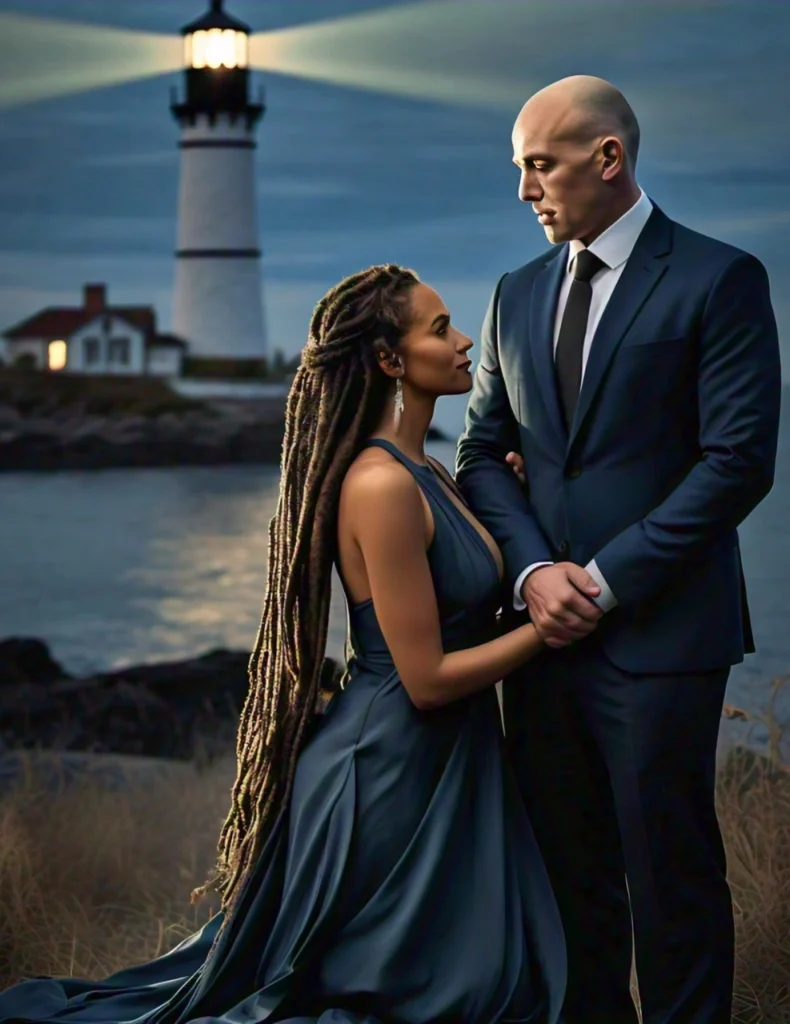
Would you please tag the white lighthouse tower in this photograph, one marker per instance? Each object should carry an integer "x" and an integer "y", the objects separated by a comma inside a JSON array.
[{"x": 218, "y": 302}]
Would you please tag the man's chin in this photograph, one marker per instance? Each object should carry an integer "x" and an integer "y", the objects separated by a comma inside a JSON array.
[{"x": 554, "y": 234}]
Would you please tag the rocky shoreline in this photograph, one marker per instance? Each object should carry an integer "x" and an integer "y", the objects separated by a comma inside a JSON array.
[
  {"x": 229, "y": 433},
  {"x": 183, "y": 710},
  {"x": 72, "y": 439},
  {"x": 72, "y": 421},
  {"x": 147, "y": 721}
]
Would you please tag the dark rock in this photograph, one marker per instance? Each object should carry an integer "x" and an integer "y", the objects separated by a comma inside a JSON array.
[
  {"x": 41, "y": 438},
  {"x": 27, "y": 660},
  {"x": 45, "y": 435},
  {"x": 152, "y": 445},
  {"x": 178, "y": 709}
]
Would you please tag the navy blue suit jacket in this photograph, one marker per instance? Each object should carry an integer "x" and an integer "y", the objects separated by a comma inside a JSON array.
[{"x": 672, "y": 445}]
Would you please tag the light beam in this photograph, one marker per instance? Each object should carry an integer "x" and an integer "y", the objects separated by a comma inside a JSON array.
[
  {"x": 444, "y": 50},
  {"x": 483, "y": 53},
  {"x": 45, "y": 57},
  {"x": 479, "y": 53}
]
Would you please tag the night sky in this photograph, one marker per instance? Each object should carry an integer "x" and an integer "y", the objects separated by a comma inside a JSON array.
[{"x": 351, "y": 176}]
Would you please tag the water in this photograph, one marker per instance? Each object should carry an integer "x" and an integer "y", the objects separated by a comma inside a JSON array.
[{"x": 123, "y": 566}]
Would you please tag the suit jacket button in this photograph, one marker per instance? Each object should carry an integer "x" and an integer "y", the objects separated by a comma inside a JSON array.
[
  {"x": 562, "y": 547},
  {"x": 574, "y": 471}
]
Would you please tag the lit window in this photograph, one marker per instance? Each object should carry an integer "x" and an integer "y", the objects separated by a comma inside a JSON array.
[
  {"x": 57, "y": 354},
  {"x": 216, "y": 47}
]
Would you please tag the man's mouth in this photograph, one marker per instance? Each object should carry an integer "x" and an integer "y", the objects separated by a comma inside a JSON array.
[{"x": 546, "y": 217}]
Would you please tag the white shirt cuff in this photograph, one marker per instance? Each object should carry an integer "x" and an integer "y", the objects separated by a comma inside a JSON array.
[
  {"x": 518, "y": 603},
  {"x": 606, "y": 599}
]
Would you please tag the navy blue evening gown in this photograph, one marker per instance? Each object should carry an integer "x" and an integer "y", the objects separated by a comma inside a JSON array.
[{"x": 403, "y": 882}]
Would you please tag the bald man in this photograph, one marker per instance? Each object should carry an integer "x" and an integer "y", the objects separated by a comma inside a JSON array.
[{"x": 635, "y": 366}]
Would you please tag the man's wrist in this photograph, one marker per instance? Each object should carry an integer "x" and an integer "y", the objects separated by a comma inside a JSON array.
[
  {"x": 519, "y": 601},
  {"x": 532, "y": 572}
]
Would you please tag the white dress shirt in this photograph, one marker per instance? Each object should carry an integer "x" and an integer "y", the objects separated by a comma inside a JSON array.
[{"x": 614, "y": 247}]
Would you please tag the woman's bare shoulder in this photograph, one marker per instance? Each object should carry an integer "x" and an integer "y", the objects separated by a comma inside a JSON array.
[{"x": 377, "y": 484}]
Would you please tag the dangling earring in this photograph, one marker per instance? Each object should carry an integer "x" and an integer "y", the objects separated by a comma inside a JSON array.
[{"x": 398, "y": 402}]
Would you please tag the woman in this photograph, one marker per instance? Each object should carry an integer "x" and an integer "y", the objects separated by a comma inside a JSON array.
[{"x": 380, "y": 866}]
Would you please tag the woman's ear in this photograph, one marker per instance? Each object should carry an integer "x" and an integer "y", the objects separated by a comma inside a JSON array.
[{"x": 391, "y": 364}]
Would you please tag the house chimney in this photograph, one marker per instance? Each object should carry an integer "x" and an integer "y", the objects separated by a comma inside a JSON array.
[{"x": 95, "y": 297}]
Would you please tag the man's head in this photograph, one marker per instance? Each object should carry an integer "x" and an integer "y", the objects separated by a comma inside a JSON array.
[{"x": 576, "y": 144}]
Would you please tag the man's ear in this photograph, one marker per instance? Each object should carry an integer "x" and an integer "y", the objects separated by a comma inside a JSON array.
[{"x": 613, "y": 157}]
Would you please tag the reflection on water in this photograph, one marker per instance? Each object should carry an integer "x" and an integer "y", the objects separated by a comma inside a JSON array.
[{"x": 140, "y": 565}]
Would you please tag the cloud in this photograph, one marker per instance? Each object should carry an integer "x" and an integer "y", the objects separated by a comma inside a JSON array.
[
  {"x": 152, "y": 158},
  {"x": 744, "y": 176},
  {"x": 760, "y": 222},
  {"x": 153, "y": 16},
  {"x": 59, "y": 280},
  {"x": 298, "y": 188},
  {"x": 98, "y": 233},
  {"x": 282, "y": 265}
]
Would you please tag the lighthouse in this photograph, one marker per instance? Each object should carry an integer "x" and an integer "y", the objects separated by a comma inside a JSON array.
[{"x": 218, "y": 300}]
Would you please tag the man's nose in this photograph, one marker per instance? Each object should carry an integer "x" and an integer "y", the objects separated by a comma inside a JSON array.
[{"x": 529, "y": 191}]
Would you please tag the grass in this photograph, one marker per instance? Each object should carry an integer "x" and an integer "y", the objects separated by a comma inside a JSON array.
[
  {"x": 754, "y": 811},
  {"x": 92, "y": 881},
  {"x": 116, "y": 891}
]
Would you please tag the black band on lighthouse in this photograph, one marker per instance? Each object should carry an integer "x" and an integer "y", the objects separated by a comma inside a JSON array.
[{"x": 217, "y": 144}]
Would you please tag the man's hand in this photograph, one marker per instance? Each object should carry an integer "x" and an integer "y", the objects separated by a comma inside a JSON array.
[
  {"x": 517, "y": 462},
  {"x": 556, "y": 594},
  {"x": 559, "y": 601}
]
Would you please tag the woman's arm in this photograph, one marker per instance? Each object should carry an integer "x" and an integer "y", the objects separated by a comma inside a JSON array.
[{"x": 387, "y": 519}]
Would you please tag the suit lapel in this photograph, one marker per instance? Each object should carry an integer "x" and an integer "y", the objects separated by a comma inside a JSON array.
[
  {"x": 645, "y": 267},
  {"x": 543, "y": 309}
]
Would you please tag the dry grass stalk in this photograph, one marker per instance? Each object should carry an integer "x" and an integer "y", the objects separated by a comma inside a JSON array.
[{"x": 92, "y": 881}]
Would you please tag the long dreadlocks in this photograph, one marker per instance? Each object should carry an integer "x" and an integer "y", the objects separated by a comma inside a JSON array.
[{"x": 334, "y": 404}]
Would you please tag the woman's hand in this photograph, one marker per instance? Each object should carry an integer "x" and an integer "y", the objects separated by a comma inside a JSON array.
[{"x": 517, "y": 462}]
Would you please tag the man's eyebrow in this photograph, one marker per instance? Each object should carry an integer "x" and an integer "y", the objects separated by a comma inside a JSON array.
[{"x": 519, "y": 160}]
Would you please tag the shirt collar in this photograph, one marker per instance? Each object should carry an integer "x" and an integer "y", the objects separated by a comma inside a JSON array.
[{"x": 616, "y": 244}]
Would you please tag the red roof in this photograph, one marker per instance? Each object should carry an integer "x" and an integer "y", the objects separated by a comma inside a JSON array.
[{"x": 63, "y": 321}]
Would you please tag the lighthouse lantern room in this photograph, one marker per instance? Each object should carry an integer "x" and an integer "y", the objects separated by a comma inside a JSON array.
[{"x": 218, "y": 301}]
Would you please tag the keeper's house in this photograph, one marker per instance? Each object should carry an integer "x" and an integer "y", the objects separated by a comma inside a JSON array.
[{"x": 95, "y": 338}]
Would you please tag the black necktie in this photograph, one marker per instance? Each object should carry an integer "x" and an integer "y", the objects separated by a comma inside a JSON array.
[{"x": 570, "y": 344}]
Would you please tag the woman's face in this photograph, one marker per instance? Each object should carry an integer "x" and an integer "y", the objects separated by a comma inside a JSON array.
[{"x": 433, "y": 352}]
